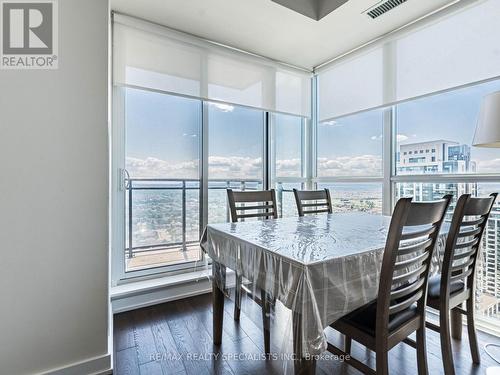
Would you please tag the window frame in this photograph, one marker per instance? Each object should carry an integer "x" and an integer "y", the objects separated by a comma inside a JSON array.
[
  {"x": 119, "y": 275},
  {"x": 387, "y": 163}
]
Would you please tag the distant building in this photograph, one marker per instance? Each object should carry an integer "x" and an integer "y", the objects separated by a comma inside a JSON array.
[{"x": 438, "y": 156}]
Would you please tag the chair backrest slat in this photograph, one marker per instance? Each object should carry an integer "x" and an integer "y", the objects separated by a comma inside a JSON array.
[
  {"x": 412, "y": 236},
  {"x": 258, "y": 207},
  {"x": 463, "y": 242},
  {"x": 467, "y": 244},
  {"x": 461, "y": 276},
  {"x": 417, "y": 233},
  {"x": 398, "y": 307},
  {"x": 467, "y": 223},
  {"x": 469, "y": 233},
  {"x": 406, "y": 250},
  {"x": 264, "y": 204},
  {"x": 401, "y": 278},
  {"x": 318, "y": 201},
  {"x": 407, "y": 289},
  {"x": 463, "y": 265},
  {"x": 416, "y": 261}
]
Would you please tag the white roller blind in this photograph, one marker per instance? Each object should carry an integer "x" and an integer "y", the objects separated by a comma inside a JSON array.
[
  {"x": 154, "y": 57},
  {"x": 351, "y": 85},
  {"x": 458, "y": 48}
]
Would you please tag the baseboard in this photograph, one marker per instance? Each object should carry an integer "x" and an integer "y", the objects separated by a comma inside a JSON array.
[
  {"x": 153, "y": 292},
  {"x": 159, "y": 295},
  {"x": 94, "y": 366}
]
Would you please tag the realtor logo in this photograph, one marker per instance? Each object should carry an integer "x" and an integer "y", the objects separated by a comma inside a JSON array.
[{"x": 29, "y": 34}]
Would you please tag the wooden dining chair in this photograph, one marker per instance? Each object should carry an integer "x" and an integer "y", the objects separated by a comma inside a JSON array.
[
  {"x": 244, "y": 205},
  {"x": 318, "y": 201},
  {"x": 455, "y": 284},
  {"x": 399, "y": 309}
]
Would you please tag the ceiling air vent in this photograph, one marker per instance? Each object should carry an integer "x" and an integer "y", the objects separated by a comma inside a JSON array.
[{"x": 386, "y": 6}]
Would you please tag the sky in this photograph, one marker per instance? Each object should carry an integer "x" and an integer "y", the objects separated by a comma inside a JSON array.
[
  {"x": 163, "y": 135},
  {"x": 451, "y": 116}
]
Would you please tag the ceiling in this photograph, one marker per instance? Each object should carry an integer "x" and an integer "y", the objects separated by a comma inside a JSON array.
[{"x": 269, "y": 29}]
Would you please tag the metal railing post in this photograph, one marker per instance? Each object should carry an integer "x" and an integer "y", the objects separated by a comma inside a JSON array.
[
  {"x": 184, "y": 215},
  {"x": 130, "y": 247},
  {"x": 228, "y": 185}
]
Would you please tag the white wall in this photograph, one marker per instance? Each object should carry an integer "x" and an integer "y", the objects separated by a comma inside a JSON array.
[{"x": 54, "y": 201}]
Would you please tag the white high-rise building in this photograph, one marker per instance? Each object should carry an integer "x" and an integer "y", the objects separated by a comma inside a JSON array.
[{"x": 439, "y": 156}]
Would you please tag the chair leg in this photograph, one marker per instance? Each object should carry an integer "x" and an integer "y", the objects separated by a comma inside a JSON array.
[
  {"x": 471, "y": 329},
  {"x": 444, "y": 323},
  {"x": 237, "y": 298},
  {"x": 266, "y": 321},
  {"x": 421, "y": 351},
  {"x": 382, "y": 362},
  {"x": 348, "y": 344}
]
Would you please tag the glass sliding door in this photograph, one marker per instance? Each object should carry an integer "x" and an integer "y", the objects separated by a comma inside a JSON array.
[
  {"x": 178, "y": 156},
  {"x": 235, "y": 154},
  {"x": 162, "y": 160}
]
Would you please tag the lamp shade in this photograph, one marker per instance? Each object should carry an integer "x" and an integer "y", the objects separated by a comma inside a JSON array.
[{"x": 488, "y": 125}]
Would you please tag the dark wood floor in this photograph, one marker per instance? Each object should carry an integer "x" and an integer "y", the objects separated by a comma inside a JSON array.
[{"x": 165, "y": 339}]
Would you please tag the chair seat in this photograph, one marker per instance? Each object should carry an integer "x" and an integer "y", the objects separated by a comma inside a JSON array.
[
  {"x": 434, "y": 288},
  {"x": 364, "y": 318}
]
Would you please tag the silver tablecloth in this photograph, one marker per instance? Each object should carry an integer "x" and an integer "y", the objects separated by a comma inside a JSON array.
[{"x": 321, "y": 266}]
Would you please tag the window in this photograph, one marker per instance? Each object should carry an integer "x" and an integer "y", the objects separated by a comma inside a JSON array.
[
  {"x": 351, "y": 146},
  {"x": 442, "y": 124},
  {"x": 488, "y": 284},
  {"x": 446, "y": 122},
  {"x": 288, "y": 142},
  {"x": 235, "y": 155},
  {"x": 163, "y": 157},
  {"x": 162, "y": 135},
  {"x": 288, "y": 161}
]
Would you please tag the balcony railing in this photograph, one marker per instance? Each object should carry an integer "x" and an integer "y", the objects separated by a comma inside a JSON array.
[{"x": 169, "y": 187}]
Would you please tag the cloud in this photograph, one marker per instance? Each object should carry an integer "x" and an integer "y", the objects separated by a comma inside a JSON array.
[
  {"x": 399, "y": 137},
  {"x": 331, "y": 123},
  {"x": 238, "y": 167},
  {"x": 219, "y": 167},
  {"x": 234, "y": 167},
  {"x": 288, "y": 167},
  {"x": 223, "y": 107},
  {"x": 363, "y": 165},
  {"x": 402, "y": 137},
  {"x": 153, "y": 167}
]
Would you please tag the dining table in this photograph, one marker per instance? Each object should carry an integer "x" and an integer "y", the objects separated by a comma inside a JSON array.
[{"x": 321, "y": 267}]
